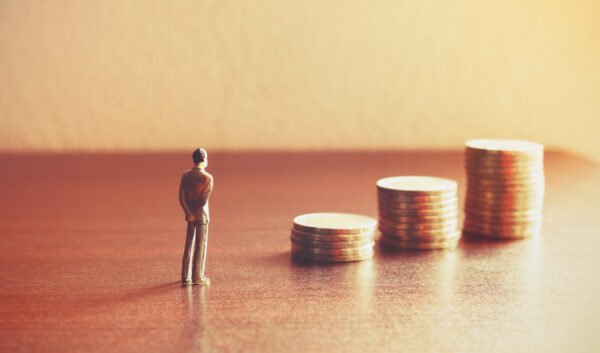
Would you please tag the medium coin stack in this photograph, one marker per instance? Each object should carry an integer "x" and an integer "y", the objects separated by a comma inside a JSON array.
[
  {"x": 418, "y": 212},
  {"x": 505, "y": 188},
  {"x": 333, "y": 237}
]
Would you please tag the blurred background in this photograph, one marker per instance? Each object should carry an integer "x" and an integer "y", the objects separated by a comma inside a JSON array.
[{"x": 144, "y": 75}]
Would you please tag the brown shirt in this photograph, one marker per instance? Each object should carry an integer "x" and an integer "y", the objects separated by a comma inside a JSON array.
[{"x": 196, "y": 186}]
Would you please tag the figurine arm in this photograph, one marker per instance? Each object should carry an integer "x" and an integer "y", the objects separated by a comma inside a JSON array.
[
  {"x": 206, "y": 193},
  {"x": 184, "y": 204}
]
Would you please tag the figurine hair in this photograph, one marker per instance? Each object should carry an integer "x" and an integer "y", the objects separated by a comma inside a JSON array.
[{"x": 199, "y": 155}]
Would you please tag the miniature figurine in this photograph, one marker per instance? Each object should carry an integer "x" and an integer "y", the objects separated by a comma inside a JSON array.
[{"x": 196, "y": 186}]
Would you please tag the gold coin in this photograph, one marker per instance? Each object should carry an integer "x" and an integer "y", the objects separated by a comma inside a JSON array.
[
  {"x": 488, "y": 167},
  {"x": 513, "y": 214},
  {"x": 502, "y": 221},
  {"x": 492, "y": 194},
  {"x": 506, "y": 207},
  {"x": 498, "y": 183},
  {"x": 331, "y": 244},
  {"x": 520, "y": 200},
  {"x": 504, "y": 177},
  {"x": 487, "y": 217},
  {"x": 521, "y": 159},
  {"x": 493, "y": 162},
  {"x": 507, "y": 192},
  {"x": 503, "y": 161},
  {"x": 506, "y": 189},
  {"x": 333, "y": 237},
  {"x": 334, "y": 223},
  {"x": 505, "y": 198},
  {"x": 499, "y": 187},
  {"x": 419, "y": 206},
  {"x": 419, "y": 219},
  {"x": 334, "y": 258},
  {"x": 481, "y": 202},
  {"x": 331, "y": 251},
  {"x": 440, "y": 212},
  {"x": 429, "y": 238},
  {"x": 502, "y": 227},
  {"x": 496, "y": 210},
  {"x": 508, "y": 214},
  {"x": 473, "y": 225},
  {"x": 501, "y": 235},
  {"x": 504, "y": 147},
  {"x": 494, "y": 165},
  {"x": 388, "y": 227},
  {"x": 502, "y": 188},
  {"x": 410, "y": 245},
  {"x": 417, "y": 185},
  {"x": 479, "y": 180},
  {"x": 502, "y": 210},
  {"x": 416, "y": 198},
  {"x": 499, "y": 166},
  {"x": 410, "y": 233}
]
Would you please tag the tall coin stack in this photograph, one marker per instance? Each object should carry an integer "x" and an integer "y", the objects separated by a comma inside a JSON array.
[
  {"x": 333, "y": 237},
  {"x": 505, "y": 188},
  {"x": 418, "y": 212}
]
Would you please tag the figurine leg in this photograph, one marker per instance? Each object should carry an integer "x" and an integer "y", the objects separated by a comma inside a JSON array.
[
  {"x": 187, "y": 252},
  {"x": 200, "y": 255}
]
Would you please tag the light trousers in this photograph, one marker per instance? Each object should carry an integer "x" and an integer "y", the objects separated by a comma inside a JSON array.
[{"x": 197, "y": 236}]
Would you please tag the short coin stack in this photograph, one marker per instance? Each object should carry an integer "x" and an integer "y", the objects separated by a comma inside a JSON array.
[
  {"x": 333, "y": 237},
  {"x": 418, "y": 212},
  {"x": 505, "y": 188}
]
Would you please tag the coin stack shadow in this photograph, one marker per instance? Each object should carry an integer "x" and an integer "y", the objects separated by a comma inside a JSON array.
[
  {"x": 505, "y": 188},
  {"x": 333, "y": 237},
  {"x": 418, "y": 212}
]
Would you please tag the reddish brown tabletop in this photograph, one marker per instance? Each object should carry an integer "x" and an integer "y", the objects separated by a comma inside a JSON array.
[{"x": 91, "y": 245}]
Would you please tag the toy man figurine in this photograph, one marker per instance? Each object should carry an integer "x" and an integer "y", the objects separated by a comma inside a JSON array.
[{"x": 196, "y": 186}]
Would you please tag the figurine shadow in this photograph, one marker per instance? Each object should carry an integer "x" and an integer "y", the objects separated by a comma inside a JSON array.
[
  {"x": 139, "y": 294},
  {"x": 158, "y": 289}
]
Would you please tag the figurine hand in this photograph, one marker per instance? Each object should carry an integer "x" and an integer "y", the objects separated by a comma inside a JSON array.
[{"x": 191, "y": 218}]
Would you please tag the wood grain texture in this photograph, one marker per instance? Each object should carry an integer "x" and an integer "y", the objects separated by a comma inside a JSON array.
[{"x": 91, "y": 245}]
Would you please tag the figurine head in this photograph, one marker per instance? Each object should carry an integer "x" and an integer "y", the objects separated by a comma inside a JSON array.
[{"x": 199, "y": 156}]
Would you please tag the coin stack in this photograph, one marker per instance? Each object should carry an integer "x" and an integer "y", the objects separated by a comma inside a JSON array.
[
  {"x": 505, "y": 188},
  {"x": 418, "y": 212},
  {"x": 333, "y": 237}
]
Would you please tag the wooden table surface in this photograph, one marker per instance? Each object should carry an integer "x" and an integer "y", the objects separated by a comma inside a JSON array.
[{"x": 91, "y": 245}]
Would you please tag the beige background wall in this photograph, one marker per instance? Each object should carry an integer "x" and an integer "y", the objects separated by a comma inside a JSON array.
[{"x": 150, "y": 75}]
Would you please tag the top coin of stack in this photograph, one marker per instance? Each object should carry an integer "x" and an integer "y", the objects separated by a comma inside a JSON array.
[
  {"x": 418, "y": 212},
  {"x": 333, "y": 237},
  {"x": 505, "y": 188}
]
